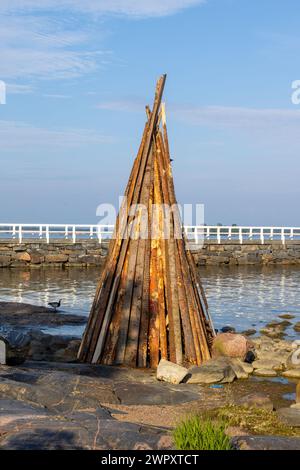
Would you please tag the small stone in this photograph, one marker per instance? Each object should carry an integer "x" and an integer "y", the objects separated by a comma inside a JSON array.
[
  {"x": 250, "y": 357},
  {"x": 249, "y": 332},
  {"x": 286, "y": 316},
  {"x": 239, "y": 370},
  {"x": 17, "y": 347},
  {"x": 248, "y": 368},
  {"x": 228, "y": 329},
  {"x": 268, "y": 364},
  {"x": 282, "y": 324},
  {"x": 296, "y": 405},
  {"x": 23, "y": 256},
  {"x": 292, "y": 374},
  {"x": 169, "y": 372},
  {"x": 293, "y": 360},
  {"x": 297, "y": 326},
  {"x": 3, "y": 349},
  {"x": 256, "y": 400},
  {"x": 56, "y": 258},
  {"x": 289, "y": 416},
  {"x": 265, "y": 373},
  {"x": 213, "y": 371}
]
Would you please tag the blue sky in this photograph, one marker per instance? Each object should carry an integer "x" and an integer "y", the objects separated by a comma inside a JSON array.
[{"x": 78, "y": 75}]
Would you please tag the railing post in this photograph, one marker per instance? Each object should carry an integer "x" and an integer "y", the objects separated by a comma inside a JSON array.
[
  {"x": 41, "y": 232},
  {"x": 47, "y": 234},
  {"x": 91, "y": 231},
  {"x": 196, "y": 235},
  {"x": 14, "y": 232},
  {"x": 99, "y": 234},
  {"x": 292, "y": 234},
  {"x": 240, "y": 236},
  {"x": 20, "y": 234},
  {"x": 262, "y": 236},
  {"x": 282, "y": 236},
  {"x": 219, "y": 235},
  {"x": 66, "y": 232},
  {"x": 74, "y": 234}
]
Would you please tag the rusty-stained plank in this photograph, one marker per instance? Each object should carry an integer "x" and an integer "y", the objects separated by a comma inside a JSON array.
[{"x": 105, "y": 315}]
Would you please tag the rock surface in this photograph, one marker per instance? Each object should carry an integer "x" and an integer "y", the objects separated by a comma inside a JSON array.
[
  {"x": 231, "y": 345},
  {"x": 39, "y": 346},
  {"x": 213, "y": 371},
  {"x": 256, "y": 400},
  {"x": 20, "y": 314},
  {"x": 270, "y": 364},
  {"x": 292, "y": 373},
  {"x": 169, "y": 372},
  {"x": 81, "y": 406},
  {"x": 17, "y": 347},
  {"x": 266, "y": 443},
  {"x": 265, "y": 373},
  {"x": 289, "y": 416}
]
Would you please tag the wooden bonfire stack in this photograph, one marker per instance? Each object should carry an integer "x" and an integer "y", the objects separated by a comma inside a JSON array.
[{"x": 149, "y": 303}]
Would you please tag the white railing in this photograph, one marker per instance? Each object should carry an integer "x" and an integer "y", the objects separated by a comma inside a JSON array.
[{"x": 195, "y": 234}]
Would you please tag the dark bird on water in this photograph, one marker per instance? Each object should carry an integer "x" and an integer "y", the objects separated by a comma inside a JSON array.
[{"x": 55, "y": 305}]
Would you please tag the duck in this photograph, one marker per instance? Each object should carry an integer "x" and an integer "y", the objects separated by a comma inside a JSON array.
[{"x": 55, "y": 305}]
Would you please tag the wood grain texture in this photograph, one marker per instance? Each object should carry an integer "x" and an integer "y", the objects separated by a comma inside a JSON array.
[{"x": 150, "y": 303}]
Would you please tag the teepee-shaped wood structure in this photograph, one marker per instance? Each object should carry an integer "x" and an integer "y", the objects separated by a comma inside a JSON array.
[{"x": 149, "y": 302}]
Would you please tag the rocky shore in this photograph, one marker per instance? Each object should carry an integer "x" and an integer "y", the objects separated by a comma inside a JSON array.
[{"x": 50, "y": 401}]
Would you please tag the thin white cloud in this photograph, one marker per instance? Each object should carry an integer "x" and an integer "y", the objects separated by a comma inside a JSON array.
[
  {"x": 217, "y": 116},
  {"x": 39, "y": 48},
  {"x": 56, "y": 96},
  {"x": 134, "y": 8},
  {"x": 19, "y": 89},
  {"x": 236, "y": 117},
  {"x": 38, "y": 41},
  {"x": 19, "y": 135}
]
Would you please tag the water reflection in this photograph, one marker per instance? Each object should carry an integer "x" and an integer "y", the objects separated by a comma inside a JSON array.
[
  {"x": 244, "y": 297},
  {"x": 250, "y": 296}
]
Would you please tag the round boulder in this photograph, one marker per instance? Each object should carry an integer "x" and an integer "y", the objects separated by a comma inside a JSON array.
[{"x": 231, "y": 345}]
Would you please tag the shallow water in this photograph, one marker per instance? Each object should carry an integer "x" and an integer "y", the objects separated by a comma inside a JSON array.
[
  {"x": 243, "y": 297},
  {"x": 249, "y": 297}
]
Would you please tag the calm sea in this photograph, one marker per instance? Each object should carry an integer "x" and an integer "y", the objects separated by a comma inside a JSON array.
[{"x": 243, "y": 297}]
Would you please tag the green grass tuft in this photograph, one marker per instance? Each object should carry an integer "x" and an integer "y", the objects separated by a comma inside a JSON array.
[{"x": 198, "y": 433}]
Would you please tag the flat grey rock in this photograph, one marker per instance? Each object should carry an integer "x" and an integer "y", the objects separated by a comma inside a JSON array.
[
  {"x": 86, "y": 431},
  {"x": 155, "y": 394},
  {"x": 20, "y": 314},
  {"x": 266, "y": 443},
  {"x": 289, "y": 416},
  {"x": 213, "y": 371}
]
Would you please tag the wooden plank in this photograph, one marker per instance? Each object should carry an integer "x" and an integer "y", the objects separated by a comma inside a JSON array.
[
  {"x": 105, "y": 313},
  {"x": 131, "y": 352}
]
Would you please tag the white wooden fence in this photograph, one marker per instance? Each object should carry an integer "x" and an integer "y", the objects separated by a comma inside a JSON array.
[{"x": 195, "y": 234}]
